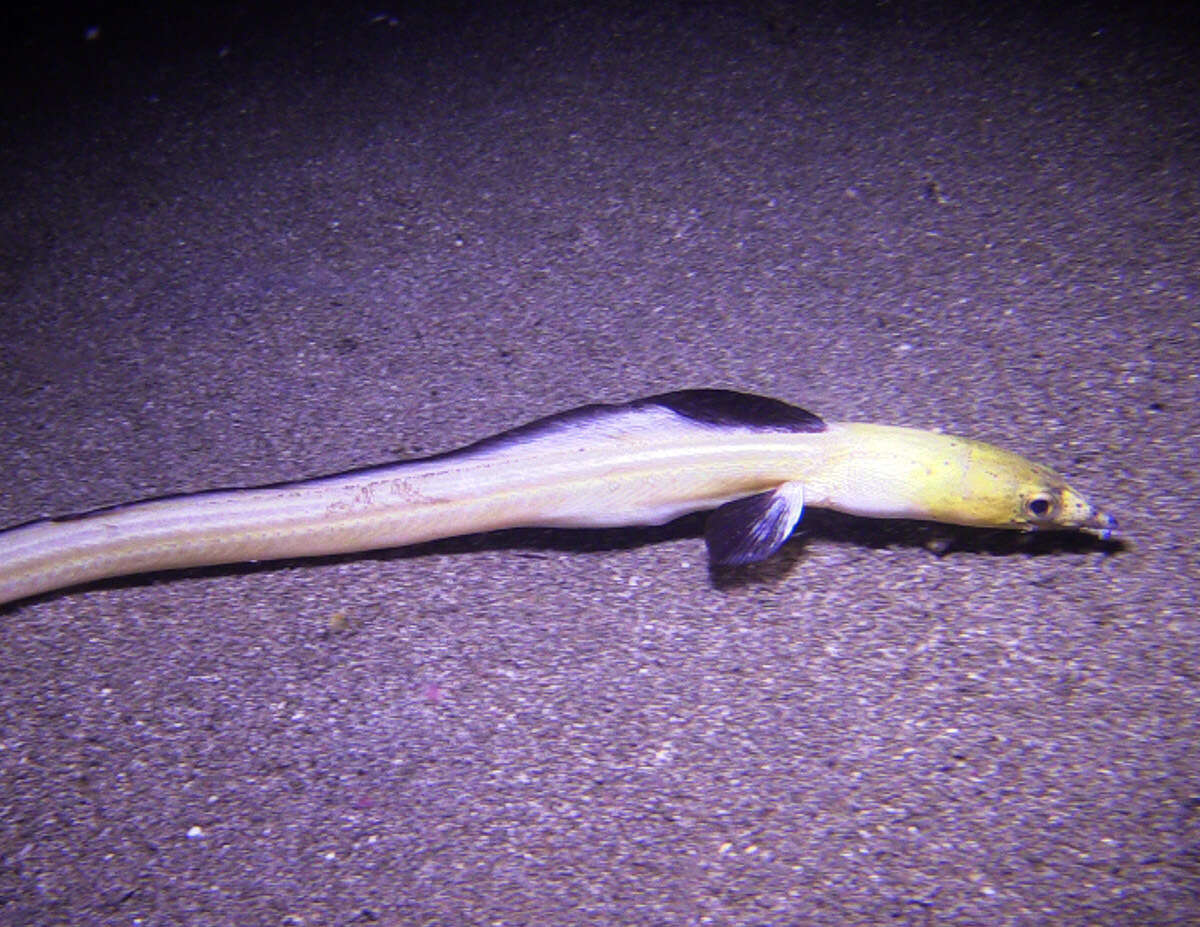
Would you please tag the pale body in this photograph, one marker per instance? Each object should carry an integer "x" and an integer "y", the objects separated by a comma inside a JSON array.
[{"x": 644, "y": 463}]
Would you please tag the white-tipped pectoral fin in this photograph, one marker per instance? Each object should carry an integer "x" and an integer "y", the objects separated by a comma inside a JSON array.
[{"x": 751, "y": 529}]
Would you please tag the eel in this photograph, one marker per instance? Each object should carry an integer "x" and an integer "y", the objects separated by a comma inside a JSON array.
[{"x": 756, "y": 461}]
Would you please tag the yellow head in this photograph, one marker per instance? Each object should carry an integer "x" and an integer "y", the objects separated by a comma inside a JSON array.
[
  {"x": 888, "y": 472},
  {"x": 1004, "y": 490}
]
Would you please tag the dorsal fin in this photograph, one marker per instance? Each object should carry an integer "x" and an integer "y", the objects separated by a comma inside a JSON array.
[{"x": 719, "y": 408}]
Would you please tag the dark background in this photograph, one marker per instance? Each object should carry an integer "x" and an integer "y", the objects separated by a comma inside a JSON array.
[{"x": 242, "y": 244}]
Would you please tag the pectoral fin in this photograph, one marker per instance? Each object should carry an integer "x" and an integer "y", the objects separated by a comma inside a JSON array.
[{"x": 751, "y": 529}]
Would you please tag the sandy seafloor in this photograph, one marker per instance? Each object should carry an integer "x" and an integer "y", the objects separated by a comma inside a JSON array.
[{"x": 241, "y": 247}]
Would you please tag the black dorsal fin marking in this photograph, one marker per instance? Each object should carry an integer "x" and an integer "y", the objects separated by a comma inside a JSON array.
[{"x": 737, "y": 410}]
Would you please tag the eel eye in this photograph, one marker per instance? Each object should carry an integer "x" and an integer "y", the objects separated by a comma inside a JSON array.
[{"x": 1039, "y": 506}]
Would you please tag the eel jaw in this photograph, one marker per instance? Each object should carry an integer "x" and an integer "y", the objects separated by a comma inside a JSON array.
[
  {"x": 1075, "y": 512},
  {"x": 1100, "y": 525}
]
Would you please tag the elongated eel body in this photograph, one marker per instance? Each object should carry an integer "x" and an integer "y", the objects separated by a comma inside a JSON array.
[{"x": 757, "y": 461}]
